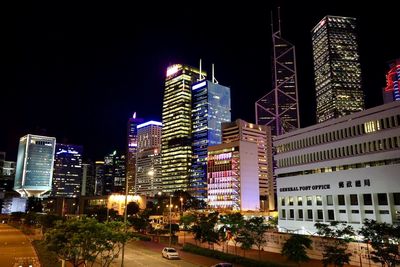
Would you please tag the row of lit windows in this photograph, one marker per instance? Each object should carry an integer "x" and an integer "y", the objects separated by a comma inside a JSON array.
[
  {"x": 340, "y": 152},
  {"x": 356, "y": 130},
  {"x": 318, "y": 215},
  {"x": 352, "y": 200},
  {"x": 342, "y": 167}
]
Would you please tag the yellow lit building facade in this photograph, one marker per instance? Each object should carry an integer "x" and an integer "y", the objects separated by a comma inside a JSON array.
[{"x": 176, "y": 143}]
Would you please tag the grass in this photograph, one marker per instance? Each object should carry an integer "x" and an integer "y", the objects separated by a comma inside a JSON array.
[{"x": 47, "y": 258}]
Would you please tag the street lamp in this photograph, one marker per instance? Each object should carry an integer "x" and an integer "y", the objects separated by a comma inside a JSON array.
[
  {"x": 181, "y": 199},
  {"x": 125, "y": 219},
  {"x": 170, "y": 221}
]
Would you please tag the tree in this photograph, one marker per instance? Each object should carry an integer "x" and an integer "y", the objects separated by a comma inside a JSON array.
[
  {"x": 81, "y": 241},
  {"x": 187, "y": 221},
  {"x": 258, "y": 229},
  {"x": 204, "y": 228},
  {"x": 232, "y": 224},
  {"x": 132, "y": 208},
  {"x": 295, "y": 248},
  {"x": 139, "y": 223},
  {"x": 101, "y": 213},
  {"x": 48, "y": 221},
  {"x": 246, "y": 238},
  {"x": 336, "y": 238},
  {"x": 385, "y": 240}
]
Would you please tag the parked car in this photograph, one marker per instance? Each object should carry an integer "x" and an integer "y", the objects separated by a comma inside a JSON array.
[
  {"x": 223, "y": 264},
  {"x": 170, "y": 253}
]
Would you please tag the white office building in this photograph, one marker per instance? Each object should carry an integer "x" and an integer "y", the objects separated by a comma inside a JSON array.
[{"x": 344, "y": 169}]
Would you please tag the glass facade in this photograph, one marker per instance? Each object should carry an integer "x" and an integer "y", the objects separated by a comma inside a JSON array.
[
  {"x": 35, "y": 161},
  {"x": 337, "y": 68},
  {"x": 176, "y": 140},
  {"x": 211, "y": 106},
  {"x": 67, "y": 176},
  {"x": 279, "y": 108}
]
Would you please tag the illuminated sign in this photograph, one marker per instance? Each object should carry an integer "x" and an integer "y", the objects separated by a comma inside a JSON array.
[
  {"x": 199, "y": 85},
  {"x": 172, "y": 69},
  {"x": 149, "y": 123}
]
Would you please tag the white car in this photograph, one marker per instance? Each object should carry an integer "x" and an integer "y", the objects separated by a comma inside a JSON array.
[{"x": 170, "y": 253}]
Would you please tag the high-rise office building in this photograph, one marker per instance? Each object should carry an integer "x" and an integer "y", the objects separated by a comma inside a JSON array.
[
  {"x": 345, "y": 169},
  {"x": 99, "y": 177},
  {"x": 392, "y": 90},
  {"x": 35, "y": 161},
  {"x": 119, "y": 173},
  {"x": 148, "y": 161},
  {"x": 131, "y": 151},
  {"x": 67, "y": 175},
  {"x": 279, "y": 109},
  {"x": 176, "y": 148},
  {"x": 211, "y": 105},
  {"x": 7, "y": 174},
  {"x": 232, "y": 176},
  {"x": 88, "y": 179},
  {"x": 337, "y": 68},
  {"x": 241, "y": 130}
]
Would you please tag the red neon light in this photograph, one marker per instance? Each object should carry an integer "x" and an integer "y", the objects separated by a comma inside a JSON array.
[{"x": 390, "y": 77}]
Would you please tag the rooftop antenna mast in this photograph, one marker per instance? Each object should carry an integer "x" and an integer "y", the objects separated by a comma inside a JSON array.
[
  {"x": 201, "y": 76},
  {"x": 213, "y": 75}
]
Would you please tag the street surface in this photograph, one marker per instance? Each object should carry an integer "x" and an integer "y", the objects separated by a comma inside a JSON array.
[
  {"x": 15, "y": 248},
  {"x": 141, "y": 253}
]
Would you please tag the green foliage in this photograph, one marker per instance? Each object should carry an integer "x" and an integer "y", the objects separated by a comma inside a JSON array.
[
  {"x": 48, "y": 221},
  {"x": 174, "y": 228},
  {"x": 139, "y": 223},
  {"x": 385, "y": 240},
  {"x": 47, "y": 258},
  {"x": 101, "y": 213},
  {"x": 232, "y": 225},
  {"x": 188, "y": 220},
  {"x": 336, "y": 237},
  {"x": 228, "y": 257},
  {"x": 204, "y": 228},
  {"x": 78, "y": 241},
  {"x": 132, "y": 208},
  {"x": 295, "y": 248},
  {"x": 246, "y": 237},
  {"x": 258, "y": 228}
]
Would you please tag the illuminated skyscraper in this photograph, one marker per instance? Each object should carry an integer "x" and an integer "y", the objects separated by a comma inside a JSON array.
[
  {"x": 131, "y": 151},
  {"x": 99, "y": 178},
  {"x": 392, "y": 90},
  {"x": 211, "y": 104},
  {"x": 35, "y": 161},
  {"x": 337, "y": 68},
  {"x": 279, "y": 109},
  {"x": 148, "y": 160},
  {"x": 67, "y": 176},
  {"x": 260, "y": 135},
  {"x": 176, "y": 141}
]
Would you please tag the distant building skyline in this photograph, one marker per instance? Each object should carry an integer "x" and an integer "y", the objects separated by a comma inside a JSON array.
[{"x": 337, "y": 68}]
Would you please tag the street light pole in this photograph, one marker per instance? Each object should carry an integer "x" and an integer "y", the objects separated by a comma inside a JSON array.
[
  {"x": 170, "y": 221},
  {"x": 125, "y": 219}
]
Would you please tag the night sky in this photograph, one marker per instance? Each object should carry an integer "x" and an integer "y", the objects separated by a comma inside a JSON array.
[{"x": 78, "y": 71}]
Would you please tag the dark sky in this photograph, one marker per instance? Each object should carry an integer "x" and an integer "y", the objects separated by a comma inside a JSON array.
[{"x": 78, "y": 71}]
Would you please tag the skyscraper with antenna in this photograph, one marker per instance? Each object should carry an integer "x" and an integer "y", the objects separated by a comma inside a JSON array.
[
  {"x": 279, "y": 108},
  {"x": 211, "y": 106}
]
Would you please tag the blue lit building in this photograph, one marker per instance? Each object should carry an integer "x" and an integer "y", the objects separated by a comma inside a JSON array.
[
  {"x": 211, "y": 105},
  {"x": 67, "y": 176},
  {"x": 35, "y": 161}
]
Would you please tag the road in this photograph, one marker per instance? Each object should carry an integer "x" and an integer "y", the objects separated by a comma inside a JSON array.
[
  {"x": 15, "y": 248},
  {"x": 141, "y": 253}
]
